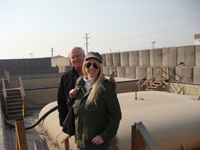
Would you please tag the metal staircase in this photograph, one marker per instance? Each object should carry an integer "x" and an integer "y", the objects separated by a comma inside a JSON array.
[
  {"x": 158, "y": 83},
  {"x": 14, "y": 104},
  {"x": 13, "y": 99}
]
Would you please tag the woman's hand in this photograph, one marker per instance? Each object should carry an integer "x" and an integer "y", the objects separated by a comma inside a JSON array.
[
  {"x": 97, "y": 140},
  {"x": 73, "y": 93}
]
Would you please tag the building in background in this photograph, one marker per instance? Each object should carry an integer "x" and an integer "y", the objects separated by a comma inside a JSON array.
[{"x": 197, "y": 39}]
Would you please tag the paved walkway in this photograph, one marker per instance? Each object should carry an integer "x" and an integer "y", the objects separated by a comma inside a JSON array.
[{"x": 3, "y": 142}]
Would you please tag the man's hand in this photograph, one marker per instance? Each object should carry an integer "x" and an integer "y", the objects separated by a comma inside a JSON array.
[
  {"x": 73, "y": 93},
  {"x": 97, "y": 140}
]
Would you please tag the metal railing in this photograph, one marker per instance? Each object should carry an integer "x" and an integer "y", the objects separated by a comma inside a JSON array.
[
  {"x": 4, "y": 95},
  {"x": 22, "y": 92},
  {"x": 150, "y": 81}
]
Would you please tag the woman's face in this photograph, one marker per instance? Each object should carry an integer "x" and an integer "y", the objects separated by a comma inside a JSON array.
[{"x": 91, "y": 68}]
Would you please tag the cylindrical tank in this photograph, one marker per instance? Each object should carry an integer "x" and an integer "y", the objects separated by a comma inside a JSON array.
[
  {"x": 171, "y": 119},
  {"x": 53, "y": 129}
]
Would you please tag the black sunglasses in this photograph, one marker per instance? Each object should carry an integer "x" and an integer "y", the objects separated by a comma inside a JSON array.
[{"x": 88, "y": 64}]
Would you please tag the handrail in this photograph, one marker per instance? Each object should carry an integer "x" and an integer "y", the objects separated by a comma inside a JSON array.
[
  {"x": 4, "y": 95},
  {"x": 149, "y": 79},
  {"x": 20, "y": 85},
  {"x": 8, "y": 76},
  {"x": 175, "y": 73},
  {"x": 160, "y": 77},
  {"x": 144, "y": 75},
  {"x": 5, "y": 74},
  {"x": 3, "y": 88}
]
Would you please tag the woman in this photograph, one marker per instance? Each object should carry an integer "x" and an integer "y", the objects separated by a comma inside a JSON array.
[{"x": 96, "y": 107}]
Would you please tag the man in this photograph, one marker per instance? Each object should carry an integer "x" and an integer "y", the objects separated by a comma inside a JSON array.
[{"x": 68, "y": 80}]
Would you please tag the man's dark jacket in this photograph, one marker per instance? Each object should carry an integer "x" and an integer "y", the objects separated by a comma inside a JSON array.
[{"x": 67, "y": 83}]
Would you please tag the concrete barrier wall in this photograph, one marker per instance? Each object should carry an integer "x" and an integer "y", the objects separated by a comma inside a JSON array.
[
  {"x": 186, "y": 73},
  {"x": 165, "y": 57},
  {"x": 140, "y": 72},
  {"x": 156, "y": 57},
  {"x": 131, "y": 72},
  {"x": 186, "y": 54},
  {"x": 106, "y": 70},
  {"x": 27, "y": 66},
  {"x": 183, "y": 89},
  {"x": 116, "y": 59},
  {"x": 144, "y": 58},
  {"x": 109, "y": 60},
  {"x": 113, "y": 69},
  {"x": 134, "y": 58},
  {"x": 127, "y": 69},
  {"x": 121, "y": 72},
  {"x": 169, "y": 57},
  {"x": 103, "y": 59},
  {"x": 197, "y": 50},
  {"x": 124, "y": 59},
  {"x": 196, "y": 75}
]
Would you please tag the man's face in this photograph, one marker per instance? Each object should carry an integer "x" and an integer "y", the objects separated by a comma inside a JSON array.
[{"x": 77, "y": 58}]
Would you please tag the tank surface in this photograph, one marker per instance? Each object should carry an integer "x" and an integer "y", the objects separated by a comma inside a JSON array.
[{"x": 171, "y": 119}]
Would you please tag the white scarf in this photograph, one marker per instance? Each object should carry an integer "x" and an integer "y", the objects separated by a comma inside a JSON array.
[{"x": 89, "y": 83}]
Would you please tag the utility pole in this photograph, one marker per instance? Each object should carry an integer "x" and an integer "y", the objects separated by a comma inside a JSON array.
[
  {"x": 31, "y": 55},
  {"x": 153, "y": 43},
  {"x": 86, "y": 34},
  {"x": 52, "y": 52}
]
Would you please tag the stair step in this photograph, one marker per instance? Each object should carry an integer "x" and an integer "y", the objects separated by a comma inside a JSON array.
[
  {"x": 14, "y": 104},
  {"x": 14, "y": 108},
  {"x": 14, "y": 97},
  {"x": 17, "y": 116},
  {"x": 13, "y": 93},
  {"x": 15, "y": 111},
  {"x": 156, "y": 83},
  {"x": 14, "y": 100}
]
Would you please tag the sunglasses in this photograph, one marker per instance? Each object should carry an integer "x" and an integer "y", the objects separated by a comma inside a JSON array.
[{"x": 88, "y": 64}]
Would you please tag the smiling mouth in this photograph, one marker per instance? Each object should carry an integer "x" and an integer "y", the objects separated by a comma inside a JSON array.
[{"x": 91, "y": 71}]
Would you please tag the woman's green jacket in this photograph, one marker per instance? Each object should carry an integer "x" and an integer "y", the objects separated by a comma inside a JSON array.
[{"x": 91, "y": 120}]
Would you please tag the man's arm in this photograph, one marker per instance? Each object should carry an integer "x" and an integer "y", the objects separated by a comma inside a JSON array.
[{"x": 61, "y": 100}]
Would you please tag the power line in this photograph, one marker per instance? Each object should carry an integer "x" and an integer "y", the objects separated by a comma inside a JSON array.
[
  {"x": 156, "y": 31},
  {"x": 187, "y": 4},
  {"x": 149, "y": 22}
]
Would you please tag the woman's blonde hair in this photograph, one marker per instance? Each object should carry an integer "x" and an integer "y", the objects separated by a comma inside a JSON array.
[{"x": 96, "y": 89}]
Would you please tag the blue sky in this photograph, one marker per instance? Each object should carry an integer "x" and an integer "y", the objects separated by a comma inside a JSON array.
[{"x": 34, "y": 26}]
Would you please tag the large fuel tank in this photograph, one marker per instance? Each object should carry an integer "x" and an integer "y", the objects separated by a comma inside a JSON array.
[{"x": 172, "y": 120}]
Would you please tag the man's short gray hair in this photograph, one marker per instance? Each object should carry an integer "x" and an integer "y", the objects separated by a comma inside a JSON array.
[{"x": 82, "y": 50}]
